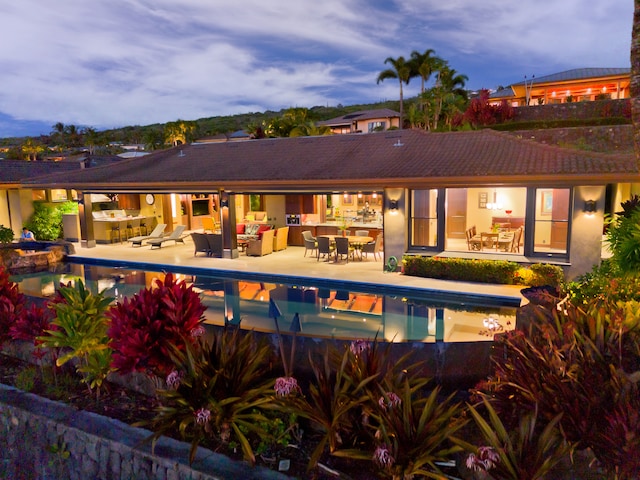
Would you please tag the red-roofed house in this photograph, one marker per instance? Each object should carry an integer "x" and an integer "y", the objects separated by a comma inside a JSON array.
[{"x": 424, "y": 191}]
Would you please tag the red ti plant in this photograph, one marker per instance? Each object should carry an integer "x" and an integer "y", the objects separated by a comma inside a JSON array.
[
  {"x": 12, "y": 303},
  {"x": 31, "y": 324},
  {"x": 147, "y": 328}
]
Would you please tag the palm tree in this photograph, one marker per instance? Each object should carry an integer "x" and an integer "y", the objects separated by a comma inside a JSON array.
[
  {"x": 424, "y": 65},
  {"x": 635, "y": 78},
  {"x": 32, "y": 148},
  {"x": 402, "y": 71},
  {"x": 309, "y": 129},
  {"x": 449, "y": 83}
]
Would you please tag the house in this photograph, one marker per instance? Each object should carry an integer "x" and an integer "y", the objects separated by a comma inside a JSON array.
[
  {"x": 365, "y": 121},
  {"x": 577, "y": 85},
  {"x": 423, "y": 191},
  {"x": 16, "y": 201}
]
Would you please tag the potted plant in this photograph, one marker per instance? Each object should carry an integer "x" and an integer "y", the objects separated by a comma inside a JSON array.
[
  {"x": 344, "y": 225},
  {"x": 6, "y": 234}
]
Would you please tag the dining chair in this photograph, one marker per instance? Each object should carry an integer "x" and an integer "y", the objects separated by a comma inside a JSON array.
[
  {"x": 310, "y": 242},
  {"x": 374, "y": 247},
  {"x": 324, "y": 248},
  {"x": 344, "y": 249}
]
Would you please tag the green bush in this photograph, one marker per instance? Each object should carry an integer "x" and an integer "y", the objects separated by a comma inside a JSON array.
[
  {"x": 6, "y": 234},
  {"x": 483, "y": 271},
  {"x": 46, "y": 221}
]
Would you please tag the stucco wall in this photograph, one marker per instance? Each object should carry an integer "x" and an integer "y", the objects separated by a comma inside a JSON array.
[
  {"x": 586, "y": 231},
  {"x": 395, "y": 224}
]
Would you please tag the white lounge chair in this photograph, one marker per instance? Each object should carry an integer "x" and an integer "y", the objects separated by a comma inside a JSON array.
[
  {"x": 175, "y": 236},
  {"x": 158, "y": 232}
]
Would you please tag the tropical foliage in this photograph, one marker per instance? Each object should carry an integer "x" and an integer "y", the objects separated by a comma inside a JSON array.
[
  {"x": 46, "y": 221},
  {"x": 145, "y": 329},
  {"x": 6, "y": 234}
]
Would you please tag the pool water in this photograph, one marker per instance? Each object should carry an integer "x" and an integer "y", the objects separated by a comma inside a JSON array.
[{"x": 318, "y": 311}]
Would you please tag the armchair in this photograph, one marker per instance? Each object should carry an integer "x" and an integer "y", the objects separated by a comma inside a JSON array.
[
  {"x": 263, "y": 245},
  {"x": 280, "y": 239}
]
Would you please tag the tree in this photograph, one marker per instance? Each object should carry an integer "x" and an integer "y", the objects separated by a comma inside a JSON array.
[
  {"x": 402, "y": 71},
  {"x": 448, "y": 84},
  {"x": 424, "y": 65},
  {"x": 32, "y": 148},
  {"x": 179, "y": 132},
  {"x": 635, "y": 77},
  {"x": 309, "y": 129},
  {"x": 91, "y": 139}
]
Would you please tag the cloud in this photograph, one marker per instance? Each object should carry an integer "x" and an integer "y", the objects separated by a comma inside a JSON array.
[{"x": 135, "y": 62}]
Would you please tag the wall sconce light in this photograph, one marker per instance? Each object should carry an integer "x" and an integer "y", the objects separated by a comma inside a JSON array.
[
  {"x": 393, "y": 205},
  {"x": 589, "y": 206}
]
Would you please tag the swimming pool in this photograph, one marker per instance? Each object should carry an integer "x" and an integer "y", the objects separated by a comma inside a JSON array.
[{"x": 321, "y": 309}]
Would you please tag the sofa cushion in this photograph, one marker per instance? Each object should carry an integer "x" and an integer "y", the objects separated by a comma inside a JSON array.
[
  {"x": 251, "y": 229},
  {"x": 240, "y": 228},
  {"x": 263, "y": 228}
]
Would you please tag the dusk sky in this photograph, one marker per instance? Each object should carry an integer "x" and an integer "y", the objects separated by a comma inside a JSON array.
[{"x": 113, "y": 63}]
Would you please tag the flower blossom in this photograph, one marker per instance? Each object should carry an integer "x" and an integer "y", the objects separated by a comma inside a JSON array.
[
  {"x": 485, "y": 460},
  {"x": 285, "y": 386},
  {"x": 359, "y": 346},
  {"x": 174, "y": 379},
  {"x": 382, "y": 456},
  {"x": 202, "y": 416},
  {"x": 197, "y": 331},
  {"x": 391, "y": 400}
]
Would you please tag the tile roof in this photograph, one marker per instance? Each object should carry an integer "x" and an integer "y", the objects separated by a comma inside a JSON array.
[
  {"x": 13, "y": 172},
  {"x": 348, "y": 118},
  {"x": 578, "y": 74},
  {"x": 399, "y": 158}
]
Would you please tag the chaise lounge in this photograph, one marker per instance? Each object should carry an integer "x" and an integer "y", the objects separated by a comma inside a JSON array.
[
  {"x": 158, "y": 232},
  {"x": 176, "y": 236}
]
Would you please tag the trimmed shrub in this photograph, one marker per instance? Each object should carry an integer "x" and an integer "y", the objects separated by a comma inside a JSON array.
[
  {"x": 482, "y": 271},
  {"x": 6, "y": 234}
]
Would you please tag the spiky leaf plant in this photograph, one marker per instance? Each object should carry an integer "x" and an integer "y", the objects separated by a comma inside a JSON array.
[
  {"x": 414, "y": 432},
  {"x": 80, "y": 332},
  {"x": 12, "y": 303},
  {"x": 146, "y": 328},
  {"x": 332, "y": 400},
  {"x": 216, "y": 391},
  {"x": 527, "y": 452}
]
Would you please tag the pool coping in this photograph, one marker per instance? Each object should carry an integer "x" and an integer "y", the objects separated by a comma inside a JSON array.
[{"x": 476, "y": 298}]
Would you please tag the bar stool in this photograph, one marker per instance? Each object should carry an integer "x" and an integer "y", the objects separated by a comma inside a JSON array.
[
  {"x": 133, "y": 228},
  {"x": 144, "y": 225},
  {"x": 116, "y": 232}
]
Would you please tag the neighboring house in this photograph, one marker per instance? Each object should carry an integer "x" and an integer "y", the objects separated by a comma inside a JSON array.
[
  {"x": 366, "y": 121},
  {"x": 16, "y": 201},
  {"x": 578, "y": 85},
  {"x": 427, "y": 189}
]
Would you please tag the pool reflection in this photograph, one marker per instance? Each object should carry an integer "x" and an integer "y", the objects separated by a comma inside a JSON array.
[{"x": 308, "y": 310}]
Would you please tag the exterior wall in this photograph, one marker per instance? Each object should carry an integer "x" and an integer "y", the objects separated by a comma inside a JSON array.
[
  {"x": 363, "y": 125},
  {"x": 395, "y": 224},
  {"x": 586, "y": 231},
  {"x": 574, "y": 110},
  {"x": 5, "y": 217}
]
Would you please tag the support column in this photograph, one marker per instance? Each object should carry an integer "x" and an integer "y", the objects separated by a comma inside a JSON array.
[
  {"x": 228, "y": 225},
  {"x": 85, "y": 214}
]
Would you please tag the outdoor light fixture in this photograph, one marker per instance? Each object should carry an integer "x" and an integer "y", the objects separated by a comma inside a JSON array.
[
  {"x": 589, "y": 206},
  {"x": 393, "y": 204}
]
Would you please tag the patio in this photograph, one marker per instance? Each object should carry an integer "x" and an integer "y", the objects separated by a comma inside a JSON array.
[{"x": 289, "y": 262}]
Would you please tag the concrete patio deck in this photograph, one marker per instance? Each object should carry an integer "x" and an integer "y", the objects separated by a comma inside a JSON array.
[{"x": 291, "y": 264}]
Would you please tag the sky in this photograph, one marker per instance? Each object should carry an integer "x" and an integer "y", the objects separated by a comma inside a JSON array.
[{"x": 113, "y": 63}]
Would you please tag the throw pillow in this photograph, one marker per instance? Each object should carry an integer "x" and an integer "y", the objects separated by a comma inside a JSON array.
[{"x": 240, "y": 228}]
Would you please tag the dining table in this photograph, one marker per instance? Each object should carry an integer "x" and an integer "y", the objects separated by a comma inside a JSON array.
[{"x": 356, "y": 240}]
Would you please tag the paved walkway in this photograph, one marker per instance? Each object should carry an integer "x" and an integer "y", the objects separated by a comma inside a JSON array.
[{"x": 292, "y": 264}]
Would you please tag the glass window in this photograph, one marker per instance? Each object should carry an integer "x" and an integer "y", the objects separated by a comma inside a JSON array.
[
  {"x": 38, "y": 195},
  {"x": 58, "y": 195},
  {"x": 485, "y": 219},
  {"x": 376, "y": 126},
  {"x": 552, "y": 220},
  {"x": 424, "y": 218}
]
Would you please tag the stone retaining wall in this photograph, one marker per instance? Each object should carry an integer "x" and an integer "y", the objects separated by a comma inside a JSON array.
[{"x": 47, "y": 440}]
